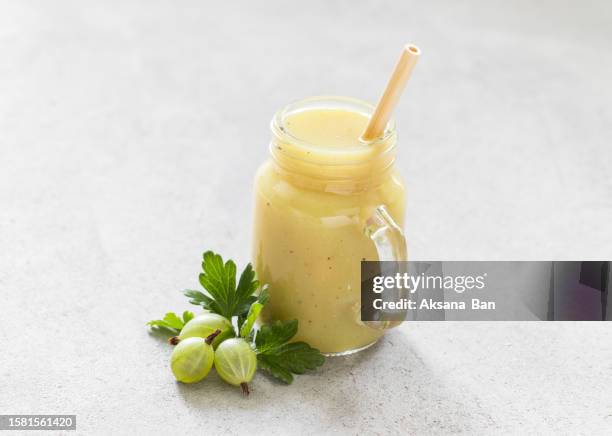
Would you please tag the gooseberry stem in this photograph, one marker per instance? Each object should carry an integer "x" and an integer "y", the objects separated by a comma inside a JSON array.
[
  {"x": 174, "y": 340},
  {"x": 245, "y": 388},
  {"x": 212, "y": 336}
]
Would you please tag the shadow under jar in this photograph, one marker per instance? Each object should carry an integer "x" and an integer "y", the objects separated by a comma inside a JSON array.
[{"x": 324, "y": 201}]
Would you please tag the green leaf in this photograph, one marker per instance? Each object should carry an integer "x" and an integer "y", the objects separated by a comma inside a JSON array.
[
  {"x": 263, "y": 296},
  {"x": 280, "y": 358},
  {"x": 187, "y": 316},
  {"x": 296, "y": 358},
  {"x": 171, "y": 322},
  {"x": 247, "y": 285},
  {"x": 274, "y": 335},
  {"x": 246, "y": 324},
  {"x": 158, "y": 324},
  {"x": 219, "y": 281},
  {"x": 269, "y": 364},
  {"x": 246, "y": 328},
  {"x": 196, "y": 297},
  {"x": 250, "y": 315},
  {"x": 242, "y": 309}
]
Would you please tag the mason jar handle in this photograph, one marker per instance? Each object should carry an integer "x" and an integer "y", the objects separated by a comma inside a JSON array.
[{"x": 390, "y": 244}]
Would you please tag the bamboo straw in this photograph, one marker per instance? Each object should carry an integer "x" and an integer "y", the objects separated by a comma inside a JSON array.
[{"x": 393, "y": 91}]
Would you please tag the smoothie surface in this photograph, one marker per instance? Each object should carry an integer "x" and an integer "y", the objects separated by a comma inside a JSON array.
[{"x": 337, "y": 128}]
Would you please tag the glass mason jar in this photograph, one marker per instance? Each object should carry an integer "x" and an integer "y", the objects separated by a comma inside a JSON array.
[{"x": 322, "y": 205}]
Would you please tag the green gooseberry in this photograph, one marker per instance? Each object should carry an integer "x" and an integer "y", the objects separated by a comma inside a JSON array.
[
  {"x": 203, "y": 326},
  {"x": 236, "y": 362},
  {"x": 192, "y": 358}
]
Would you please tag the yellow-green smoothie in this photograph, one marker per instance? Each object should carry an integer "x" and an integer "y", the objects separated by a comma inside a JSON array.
[{"x": 313, "y": 199}]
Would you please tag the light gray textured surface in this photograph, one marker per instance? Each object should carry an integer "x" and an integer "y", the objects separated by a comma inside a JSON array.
[{"x": 129, "y": 135}]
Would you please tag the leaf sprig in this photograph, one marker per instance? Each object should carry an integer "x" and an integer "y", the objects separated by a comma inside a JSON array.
[
  {"x": 275, "y": 353},
  {"x": 219, "y": 280},
  {"x": 282, "y": 358},
  {"x": 171, "y": 322}
]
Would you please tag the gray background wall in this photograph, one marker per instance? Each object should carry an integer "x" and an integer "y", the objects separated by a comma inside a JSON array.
[{"x": 129, "y": 135}]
